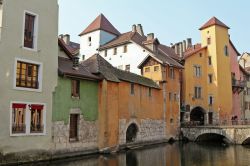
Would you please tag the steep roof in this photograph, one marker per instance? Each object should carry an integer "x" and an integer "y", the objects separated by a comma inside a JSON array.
[
  {"x": 70, "y": 49},
  {"x": 99, "y": 66},
  {"x": 101, "y": 23},
  {"x": 231, "y": 43},
  {"x": 65, "y": 67},
  {"x": 213, "y": 21},
  {"x": 165, "y": 53},
  {"x": 193, "y": 50}
]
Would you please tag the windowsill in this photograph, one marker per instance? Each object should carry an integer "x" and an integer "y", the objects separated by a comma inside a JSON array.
[
  {"x": 27, "y": 89},
  {"x": 75, "y": 98},
  {"x": 26, "y": 135},
  {"x": 73, "y": 140},
  {"x": 30, "y": 49}
]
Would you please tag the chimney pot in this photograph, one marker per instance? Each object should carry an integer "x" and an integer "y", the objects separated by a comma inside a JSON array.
[
  {"x": 66, "y": 38},
  {"x": 134, "y": 28},
  {"x": 189, "y": 42},
  {"x": 150, "y": 36},
  {"x": 139, "y": 29}
]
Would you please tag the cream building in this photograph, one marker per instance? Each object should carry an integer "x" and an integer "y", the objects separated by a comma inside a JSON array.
[{"x": 28, "y": 50}]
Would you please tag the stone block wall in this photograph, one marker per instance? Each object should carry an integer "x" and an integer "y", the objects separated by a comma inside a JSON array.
[
  {"x": 87, "y": 136},
  {"x": 148, "y": 130}
]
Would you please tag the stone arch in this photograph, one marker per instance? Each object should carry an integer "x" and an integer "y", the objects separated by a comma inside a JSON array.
[
  {"x": 214, "y": 135},
  {"x": 246, "y": 141},
  {"x": 131, "y": 133},
  {"x": 197, "y": 114}
]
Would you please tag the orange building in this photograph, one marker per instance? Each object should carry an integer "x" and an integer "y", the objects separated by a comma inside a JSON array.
[
  {"x": 166, "y": 71},
  {"x": 130, "y": 106}
]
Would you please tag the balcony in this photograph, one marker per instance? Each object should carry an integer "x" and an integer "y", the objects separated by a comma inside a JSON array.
[{"x": 238, "y": 86}]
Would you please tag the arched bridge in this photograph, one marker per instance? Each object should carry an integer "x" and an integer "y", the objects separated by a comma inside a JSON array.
[{"x": 229, "y": 134}]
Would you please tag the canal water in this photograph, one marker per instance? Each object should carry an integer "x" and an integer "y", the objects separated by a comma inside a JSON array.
[{"x": 177, "y": 154}]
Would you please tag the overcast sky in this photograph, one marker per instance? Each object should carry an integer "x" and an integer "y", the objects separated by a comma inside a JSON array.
[{"x": 171, "y": 21}]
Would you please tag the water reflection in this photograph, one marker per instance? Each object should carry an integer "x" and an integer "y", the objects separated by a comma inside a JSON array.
[{"x": 177, "y": 154}]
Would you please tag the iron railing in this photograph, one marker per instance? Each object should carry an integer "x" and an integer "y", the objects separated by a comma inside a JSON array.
[{"x": 217, "y": 123}]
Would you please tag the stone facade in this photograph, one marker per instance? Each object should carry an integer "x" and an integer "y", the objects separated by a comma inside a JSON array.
[
  {"x": 148, "y": 130},
  {"x": 87, "y": 136}
]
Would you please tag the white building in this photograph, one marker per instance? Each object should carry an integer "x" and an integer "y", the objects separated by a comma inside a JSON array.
[
  {"x": 28, "y": 50},
  {"x": 124, "y": 51}
]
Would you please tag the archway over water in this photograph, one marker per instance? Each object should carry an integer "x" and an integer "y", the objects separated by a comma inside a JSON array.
[
  {"x": 212, "y": 138},
  {"x": 246, "y": 142},
  {"x": 198, "y": 115},
  {"x": 131, "y": 133}
]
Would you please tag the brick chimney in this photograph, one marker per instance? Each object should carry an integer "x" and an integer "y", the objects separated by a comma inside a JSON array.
[
  {"x": 134, "y": 28},
  {"x": 150, "y": 36},
  {"x": 139, "y": 29},
  {"x": 189, "y": 42}
]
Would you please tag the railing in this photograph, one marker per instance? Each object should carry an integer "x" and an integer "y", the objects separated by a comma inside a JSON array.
[
  {"x": 218, "y": 123},
  {"x": 38, "y": 128},
  {"x": 239, "y": 83},
  {"x": 18, "y": 128}
]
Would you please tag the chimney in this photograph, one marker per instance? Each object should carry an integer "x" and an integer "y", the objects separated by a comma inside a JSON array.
[
  {"x": 176, "y": 48},
  {"x": 139, "y": 29},
  {"x": 66, "y": 38},
  {"x": 184, "y": 45},
  {"x": 181, "y": 49},
  {"x": 150, "y": 36},
  {"x": 134, "y": 28},
  {"x": 189, "y": 42},
  {"x": 75, "y": 62}
]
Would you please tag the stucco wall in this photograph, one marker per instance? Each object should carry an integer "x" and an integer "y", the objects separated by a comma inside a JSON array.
[
  {"x": 11, "y": 48},
  {"x": 63, "y": 102}
]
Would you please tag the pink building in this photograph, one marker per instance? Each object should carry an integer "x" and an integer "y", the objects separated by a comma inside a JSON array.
[{"x": 237, "y": 82}]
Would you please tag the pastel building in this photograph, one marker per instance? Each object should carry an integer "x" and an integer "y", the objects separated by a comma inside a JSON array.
[
  {"x": 207, "y": 76},
  {"x": 28, "y": 72}
]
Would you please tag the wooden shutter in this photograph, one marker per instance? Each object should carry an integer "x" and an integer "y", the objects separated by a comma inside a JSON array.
[
  {"x": 29, "y": 31},
  {"x": 73, "y": 127}
]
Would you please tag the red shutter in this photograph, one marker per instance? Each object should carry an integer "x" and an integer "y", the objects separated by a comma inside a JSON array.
[{"x": 36, "y": 107}]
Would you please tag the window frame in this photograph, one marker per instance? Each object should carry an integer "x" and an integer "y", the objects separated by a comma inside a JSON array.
[
  {"x": 171, "y": 73},
  {"x": 132, "y": 89},
  {"x": 197, "y": 92},
  {"x": 115, "y": 51},
  {"x": 210, "y": 78},
  {"x": 226, "y": 53},
  {"x": 35, "y": 34},
  {"x": 28, "y": 119},
  {"x": 77, "y": 90},
  {"x": 40, "y": 75},
  {"x": 127, "y": 69},
  {"x": 209, "y": 60},
  {"x": 147, "y": 69},
  {"x": 125, "y": 48}
]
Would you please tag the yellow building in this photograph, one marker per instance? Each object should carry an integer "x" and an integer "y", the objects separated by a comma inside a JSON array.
[{"x": 207, "y": 76}]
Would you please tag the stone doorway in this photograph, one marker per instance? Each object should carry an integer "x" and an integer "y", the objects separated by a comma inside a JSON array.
[
  {"x": 197, "y": 115},
  {"x": 131, "y": 133}
]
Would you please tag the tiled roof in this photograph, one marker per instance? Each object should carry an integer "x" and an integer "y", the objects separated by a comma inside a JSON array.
[
  {"x": 193, "y": 50},
  {"x": 65, "y": 67},
  {"x": 213, "y": 21},
  {"x": 166, "y": 52},
  {"x": 99, "y": 66},
  {"x": 100, "y": 23},
  {"x": 71, "y": 49}
]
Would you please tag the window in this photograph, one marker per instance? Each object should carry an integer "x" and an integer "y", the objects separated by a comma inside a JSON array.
[
  {"x": 210, "y": 78},
  {"x": 156, "y": 68},
  {"x": 27, "y": 75},
  {"x": 105, "y": 53},
  {"x": 73, "y": 127},
  {"x": 209, "y": 60},
  {"x": 29, "y": 31},
  {"x": 18, "y": 118},
  {"x": 197, "y": 92},
  {"x": 226, "y": 50},
  {"x": 149, "y": 92},
  {"x": 175, "y": 97},
  {"x": 170, "y": 96},
  {"x": 197, "y": 71},
  {"x": 115, "y": 51},
  {"x": 75, "y": 88},
  {"x": 208, "y": 40},
  {"x": 127, "y": 68},
  {"x": 171, "y": 73},
  {"x": 89, "y": 41},
  {"x": 171, "y": 120},
  {"x": 36, "y": 121},
  {"x": 125, "y": 48},
  {"x": 147, "y": 69},
  {"x": 27, "y": 118},
  {"x": 132, "y": 89},
  {"x": 210, "y": 100}
]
